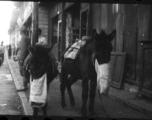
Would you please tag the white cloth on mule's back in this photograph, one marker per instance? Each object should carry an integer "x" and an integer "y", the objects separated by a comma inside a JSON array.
[
  {"x": 74, "y": 49},
  {"x": 38, "y": 91},
  {"x": 103, "y": 77}
]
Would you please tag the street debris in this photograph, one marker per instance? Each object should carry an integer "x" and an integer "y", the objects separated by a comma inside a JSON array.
[
  {"x": 3, "y": 105},
  {"x": 6, "y": 77},
  {"x": 133, "y": 90}
]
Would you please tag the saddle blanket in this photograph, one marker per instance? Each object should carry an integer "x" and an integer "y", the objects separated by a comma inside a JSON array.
[
  {"x": 74, "y": 49},
  {"x": 103, "y": 77},
  {"x": 38, "y": 91}
]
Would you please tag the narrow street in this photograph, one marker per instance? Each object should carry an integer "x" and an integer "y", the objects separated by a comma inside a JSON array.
[
  {"x": 9, "y": 100},
  {"x": 120, "y": 29}
]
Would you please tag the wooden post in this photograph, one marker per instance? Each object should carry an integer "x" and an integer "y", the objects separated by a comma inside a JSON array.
[
  {"x": 35, "y": 23},
  {"x": 63, "y": 29}
]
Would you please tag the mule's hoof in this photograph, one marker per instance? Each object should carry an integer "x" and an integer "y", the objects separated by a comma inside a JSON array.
[
  {"x": 72, "y": 106},
  {"x": 83, "y": 113},
  {"x": 92, "y": 113},
  {"x": 44, "y": 114},
  {"x": 63, "y": 106}
]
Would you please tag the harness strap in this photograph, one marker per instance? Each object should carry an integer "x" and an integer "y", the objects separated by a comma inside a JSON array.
[
  {"x": 93, "y": 59},
  {"x": 74, "y": 48}
]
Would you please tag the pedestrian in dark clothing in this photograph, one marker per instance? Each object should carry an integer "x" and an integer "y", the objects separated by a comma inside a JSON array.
[
  {"x": 9, "y": 51},
  {"x": 1, "y": 53},
  {"x": 21, "y": 56}
]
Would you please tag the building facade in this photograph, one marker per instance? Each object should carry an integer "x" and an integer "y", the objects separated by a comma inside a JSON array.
[{"x": 61, "y": 22}]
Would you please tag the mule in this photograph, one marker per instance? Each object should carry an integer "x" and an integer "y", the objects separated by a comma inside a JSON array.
[
  {"x": 83, "y": 67},
  {"x": 39, "y": 63}
]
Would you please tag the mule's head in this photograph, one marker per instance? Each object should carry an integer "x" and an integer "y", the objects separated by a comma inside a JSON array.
[
  {"x": 39, "y": 59},
  {"x": 103, "y": 45},
  {"x": 102, "y": 54}
]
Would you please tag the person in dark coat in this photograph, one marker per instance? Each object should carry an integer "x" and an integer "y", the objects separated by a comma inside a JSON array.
[
  {"x": 9, "y": 51},
  {"x": 21, "y": 56},
  {"x": 1, "y": 53}
]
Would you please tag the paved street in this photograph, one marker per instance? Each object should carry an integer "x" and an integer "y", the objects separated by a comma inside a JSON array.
[
  {"x": 114, "y": 109},
  {"x": 9, "y": 100}
]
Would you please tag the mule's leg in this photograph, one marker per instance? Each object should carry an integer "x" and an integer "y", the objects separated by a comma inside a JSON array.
[
  {"x": 44, "y": 109},
  {"x": 64, "y": 78},
  {"x": 93, "y": 84},
  {"x": 35, "y": 111},
  {"x": 84, "y": 96},
  {"x": 71, "y": 80}
]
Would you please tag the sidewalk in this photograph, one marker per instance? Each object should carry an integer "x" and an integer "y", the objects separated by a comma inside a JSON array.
[
  {"x": 10, "y": 103},
  {"x": 130, "y": 99},
  {"x": 14, "y": 68},
  {"x": 122, "y": 96}
]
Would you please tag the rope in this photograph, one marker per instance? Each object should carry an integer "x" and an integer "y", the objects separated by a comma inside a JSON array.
[{"x": 102, "y": 105}]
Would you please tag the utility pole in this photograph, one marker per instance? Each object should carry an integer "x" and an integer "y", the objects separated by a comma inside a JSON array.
[{"x": 35, "y": 23}]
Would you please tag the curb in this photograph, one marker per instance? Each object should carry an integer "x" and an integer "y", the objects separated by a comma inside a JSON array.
[
  {"x": 131, "y": 104},
  {"x": 25, "y": 103}
]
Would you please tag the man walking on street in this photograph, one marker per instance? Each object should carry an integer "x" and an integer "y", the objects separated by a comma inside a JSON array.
[
  {"x": 21, "y": 56},
  {"x": 2, "y": 50},
  {"x": 9, "y": 51}
]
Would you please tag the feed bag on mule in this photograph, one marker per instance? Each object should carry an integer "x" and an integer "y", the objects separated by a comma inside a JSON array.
[
  {"x": 38, "y": 91},
  {"x": 103, "y": 77}
]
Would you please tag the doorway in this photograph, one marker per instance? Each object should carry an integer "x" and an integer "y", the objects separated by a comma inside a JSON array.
[
  {"x": 72, "y": 24},
  {"x": 54, "y": 39},
  {"x": 59, "y": 39},
  {"x": 84, "y": 22}
]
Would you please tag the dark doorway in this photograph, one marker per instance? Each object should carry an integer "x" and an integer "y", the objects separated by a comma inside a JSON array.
[
  {"x": 72, "y": 24},
  {"x": 84, "y": 16},
  {"x": 55, "y": 36}
]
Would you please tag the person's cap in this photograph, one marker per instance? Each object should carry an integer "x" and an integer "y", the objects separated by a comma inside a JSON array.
[{"x": 23, "y": 29}]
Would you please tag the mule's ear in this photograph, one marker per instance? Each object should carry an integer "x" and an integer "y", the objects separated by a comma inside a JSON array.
[
  {"x": 112, "y": 35},
  {"x": 101, "y": 31},
  {"x": 94, "y": 33},
  {"x": 31, "y": 49}
]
